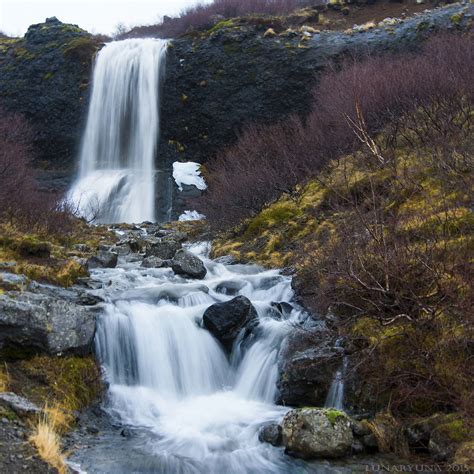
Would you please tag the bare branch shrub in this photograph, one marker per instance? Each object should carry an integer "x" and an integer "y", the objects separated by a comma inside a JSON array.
[
  {"x": 21, "y": 202},
  {"x": 269, "y": 160}
]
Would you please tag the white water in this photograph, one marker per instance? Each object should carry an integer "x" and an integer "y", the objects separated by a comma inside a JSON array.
[
  {"x": 200, "y": 409},
  {"x": 116, "y": 168},
  {"x": 335, "y": 396}
]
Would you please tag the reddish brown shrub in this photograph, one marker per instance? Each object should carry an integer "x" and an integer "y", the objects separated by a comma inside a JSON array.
[
  {"x": 267, "y": 161},
  {"x": 21, "y": 202}
]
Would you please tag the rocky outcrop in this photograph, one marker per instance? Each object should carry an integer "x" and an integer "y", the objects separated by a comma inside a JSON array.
[
  {"x": 186, "y": 264},
  {"x": 215, "y": 83},
  {"x": 225, "y": 320},
  {"x": 235, "y": 75},
  {"x": 311, "y": 433},
  {"x": 307, "y": 365},
  {"x": 45, "y": 76},
  {"x": 51, "y": 322}
]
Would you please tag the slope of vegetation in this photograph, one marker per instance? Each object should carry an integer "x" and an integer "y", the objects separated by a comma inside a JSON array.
[{"x": 369, "y": 202}]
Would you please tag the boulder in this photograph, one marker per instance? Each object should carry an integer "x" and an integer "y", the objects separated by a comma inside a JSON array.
[
  {"x": 311, "y": 433},
  {"x": 35, "y": 322},
  {"x": 20, "y": 405},
  {"x": 271, "y": 433},
  {"x": 225, "y": 320},
  {"x": 306, "y": 366},
  {"x": 187, "y": 264},
  {"x": 153, "y": 262},
  {"x": 162, "y": 248},
  {"x": 103, "y": 259}
]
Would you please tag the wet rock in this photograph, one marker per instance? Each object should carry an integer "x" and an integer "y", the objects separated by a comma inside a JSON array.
[
  {"x": 87, "y": 299},
  {"x": 306, "y": 369},
  {"x": 271, "y": 433},
  {"x": 283, "y": 308},
  {"x": 45, "y": 323},
  {"x": 312, "y": 433},
  {"x": 226, "y": 260},
  {"x": 20, "y": 405},
  {"x": 103, "y": 259},
  {"x": 225, "y": 320},
  {"x": 126, "y": 433},
  {"x": 231, "y": 287},
  {"x": 153, "y": 262},
  {"x": 187, "y": 264},
  {"x": 162, "y": 248}
]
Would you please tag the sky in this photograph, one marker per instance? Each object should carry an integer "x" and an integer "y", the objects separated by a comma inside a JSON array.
[{"x": 95, "y": 16}]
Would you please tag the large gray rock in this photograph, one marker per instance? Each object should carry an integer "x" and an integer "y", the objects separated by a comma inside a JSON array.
[
  {"x": 103, "y": 259},
  {"x": 306, "y": 368},
  {"x": 226, "y": 320},
  {"x": 311, "y": 433},
  {"x": 20, "y": 405},
  {"x": 187, "y": 264},
  {"x": 162, "y": 248},
  {"x": 35, "y": 322}
]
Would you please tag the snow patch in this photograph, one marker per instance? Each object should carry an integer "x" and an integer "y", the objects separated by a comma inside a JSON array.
[
  {"x": 191, "y": 216},
  {"x": 188, "y": 173}
]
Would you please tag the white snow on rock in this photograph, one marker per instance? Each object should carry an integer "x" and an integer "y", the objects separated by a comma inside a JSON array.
[
  {"x": 188, "y": 173},
  {"x": 191, "y": 216}
]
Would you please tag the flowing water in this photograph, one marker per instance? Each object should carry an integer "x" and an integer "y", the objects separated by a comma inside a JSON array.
[
  {"x": 116, "y": 181},
  {"x": 193, "y": 408}
]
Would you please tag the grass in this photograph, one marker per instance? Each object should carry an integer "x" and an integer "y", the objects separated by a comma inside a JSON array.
[
  {"x": 4, "y": 379},
  {"x": 45, "y": 438}
]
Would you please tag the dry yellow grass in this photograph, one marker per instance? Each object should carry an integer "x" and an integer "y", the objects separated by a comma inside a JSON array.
[
  {"x": 46, "y": 439},
  {"x": 4, "y": 379}
]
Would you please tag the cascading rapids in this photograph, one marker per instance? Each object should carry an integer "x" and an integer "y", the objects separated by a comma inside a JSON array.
[
  {"x": 116, "y": 167},
  {"x": 193, "y": 409}
]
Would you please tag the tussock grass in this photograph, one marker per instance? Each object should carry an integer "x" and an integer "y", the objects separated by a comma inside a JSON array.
[{"x": 46, "y": 437}]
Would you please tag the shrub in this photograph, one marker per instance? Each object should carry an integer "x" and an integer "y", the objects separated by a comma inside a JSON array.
[
  {"x": 21, "y": 202},
  {"x": 203, "y": 16},
  {"x": 368, "y": 94}
]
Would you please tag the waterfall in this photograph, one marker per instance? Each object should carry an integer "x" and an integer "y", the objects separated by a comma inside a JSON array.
[
  {"x": 116, "y": 181},
  {"x": 193, "y": 407},
  {"x": 335, "y": 396}
]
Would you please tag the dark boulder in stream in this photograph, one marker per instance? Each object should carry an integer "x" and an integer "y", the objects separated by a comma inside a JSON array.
[
  {"x": 225, "y": 320},
  {"x": 186, "y": 264}
]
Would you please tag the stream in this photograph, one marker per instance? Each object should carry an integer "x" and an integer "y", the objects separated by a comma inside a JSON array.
[{"x": 188, "y": 407}]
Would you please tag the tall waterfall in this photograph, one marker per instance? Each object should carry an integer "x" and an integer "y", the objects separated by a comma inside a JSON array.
[{"x": 116, "y": 169}]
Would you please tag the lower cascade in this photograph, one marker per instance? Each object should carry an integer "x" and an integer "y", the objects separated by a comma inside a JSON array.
[
  {"x": 192, "y": 407},
  {"x": 116, "y": 181}
]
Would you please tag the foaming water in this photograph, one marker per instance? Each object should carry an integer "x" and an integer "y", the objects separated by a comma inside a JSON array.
[
  {"x": 197, "y": 409},
  {"x": 116, "y": 168}
]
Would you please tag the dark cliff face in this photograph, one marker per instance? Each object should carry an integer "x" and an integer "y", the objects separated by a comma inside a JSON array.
[
  {"x": 215, "y": 82},
  {"x": 45, "y": 77},
  {"x": 235, "y": 75}
]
